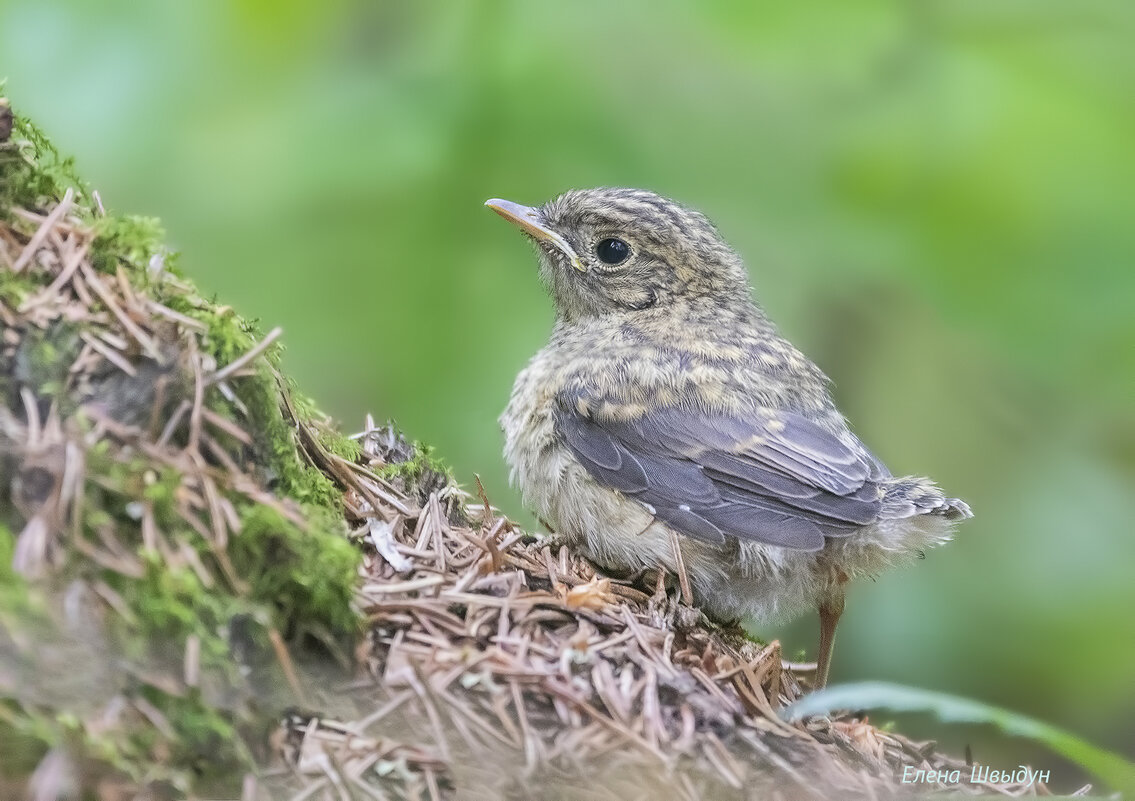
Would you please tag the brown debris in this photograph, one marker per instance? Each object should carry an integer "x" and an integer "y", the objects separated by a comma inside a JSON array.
[{"x": 501, "y": 666}]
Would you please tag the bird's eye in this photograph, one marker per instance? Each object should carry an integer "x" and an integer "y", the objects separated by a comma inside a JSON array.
[{"x": 612, "y": 251}]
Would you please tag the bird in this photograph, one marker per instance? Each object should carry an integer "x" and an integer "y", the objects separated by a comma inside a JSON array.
[{"x": 667, "y": 423}]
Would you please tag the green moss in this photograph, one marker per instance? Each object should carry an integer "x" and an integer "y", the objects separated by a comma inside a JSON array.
[
  {"x": 296, "y": 576},
  {"x": 32, "y": 172},
  {"x": 305, "y": 577},
  {"x": 24, "y": 739},
  {"x": 43, "y": 358},
  {"x": 341, "y": 445},
  {"x": 15, "y": 288},
  {"x": 172, "y": 603},
  {"x": 228, "y": 337},
  {"x": 422, "y": 462},
  {"x": 128, "y": 240},
  {"x": 293, "y": 475},
  {"x": 334, "y": 441},
  {"x": 15, "y": 604},
  {"x": 207, "y": 742}
]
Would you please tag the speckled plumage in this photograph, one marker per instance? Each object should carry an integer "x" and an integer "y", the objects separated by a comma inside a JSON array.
[{"x": 665, "y": 399}]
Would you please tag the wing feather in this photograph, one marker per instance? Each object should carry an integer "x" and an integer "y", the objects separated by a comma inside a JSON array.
[{"x": 773, "y": 476}]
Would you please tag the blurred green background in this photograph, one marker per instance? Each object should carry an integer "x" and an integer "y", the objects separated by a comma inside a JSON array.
[{"x": 934, "y": 198}]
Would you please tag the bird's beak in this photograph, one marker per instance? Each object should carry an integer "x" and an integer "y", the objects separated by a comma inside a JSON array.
[{"x": 531, "y": 222}]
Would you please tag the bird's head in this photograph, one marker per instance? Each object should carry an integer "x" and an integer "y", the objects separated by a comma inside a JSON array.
[{"x": 607, "y": 251}]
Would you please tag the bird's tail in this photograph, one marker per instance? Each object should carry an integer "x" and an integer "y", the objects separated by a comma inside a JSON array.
[
  {"x": 910, "y": 497},
  {"x": 915, "y": 516}
]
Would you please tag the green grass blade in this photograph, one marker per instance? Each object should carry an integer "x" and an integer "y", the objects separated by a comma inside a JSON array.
[{"x": 1109, "y": 766}]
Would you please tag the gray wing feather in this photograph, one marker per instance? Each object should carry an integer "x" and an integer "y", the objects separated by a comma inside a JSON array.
[{"x": 778, "y": 479}]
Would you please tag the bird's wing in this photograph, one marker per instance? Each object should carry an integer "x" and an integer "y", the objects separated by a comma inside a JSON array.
[{"x": 771, "y": 476}]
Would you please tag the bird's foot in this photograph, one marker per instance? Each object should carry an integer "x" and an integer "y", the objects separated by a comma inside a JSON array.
[
  {"x": 666, "y": 606},
  {"x": 553, "y": 542}
]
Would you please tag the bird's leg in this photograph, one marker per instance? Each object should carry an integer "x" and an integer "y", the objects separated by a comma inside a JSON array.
[
  {"x": 830, "y": 610},
  {"x": 680, "y": 569}
]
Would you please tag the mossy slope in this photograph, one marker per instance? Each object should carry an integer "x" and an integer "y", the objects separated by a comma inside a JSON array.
[{"x": 159, "y": 527}]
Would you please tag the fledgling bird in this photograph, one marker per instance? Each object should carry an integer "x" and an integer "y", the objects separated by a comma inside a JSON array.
[{"x": 667, "y": 423}]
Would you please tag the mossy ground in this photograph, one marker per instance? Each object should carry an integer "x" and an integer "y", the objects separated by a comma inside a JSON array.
[{"x": 166, "y": 580}]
